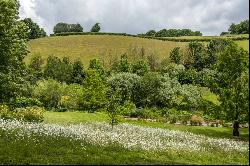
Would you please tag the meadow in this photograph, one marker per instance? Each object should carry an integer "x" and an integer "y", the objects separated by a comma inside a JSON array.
[
  {"x": 89, "y": 139},
  {"x": 106, "y": 47},
  {"x": 93, "y": 46}
]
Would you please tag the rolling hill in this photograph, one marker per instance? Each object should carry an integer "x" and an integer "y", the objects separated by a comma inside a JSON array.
[{"x": 104, "y": 47}]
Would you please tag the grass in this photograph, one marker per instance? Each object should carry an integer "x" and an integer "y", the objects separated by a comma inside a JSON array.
[
  {"x": 97, "y": 46},
  {"x": 37, "y": 149},
  {"x": 105, "y": 47},
  {"x": 244, "y": 44},
  {"x": 81, "y": 117}
]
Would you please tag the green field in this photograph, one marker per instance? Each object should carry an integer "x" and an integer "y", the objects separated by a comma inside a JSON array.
[
  {"x": 105, "y": 47},
  {"x": 19, "y": 148},
  {"x": 93, "y": 46}
]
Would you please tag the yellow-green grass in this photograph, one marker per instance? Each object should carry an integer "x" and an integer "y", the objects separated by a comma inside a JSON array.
[
  {"x": 244, "y": 44},
  {"x": 97, "y": 46}
]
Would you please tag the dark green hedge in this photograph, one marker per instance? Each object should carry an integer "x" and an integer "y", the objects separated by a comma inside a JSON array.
[{"x": 147, "y": 37}]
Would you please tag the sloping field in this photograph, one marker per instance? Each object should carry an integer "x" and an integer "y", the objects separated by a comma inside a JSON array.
[
  {"x": 105, "y": 47},
  {"x": 93, "y": 46}
]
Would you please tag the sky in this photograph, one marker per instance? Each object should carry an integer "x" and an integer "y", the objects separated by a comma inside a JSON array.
[{"x": 211, "y": 17}]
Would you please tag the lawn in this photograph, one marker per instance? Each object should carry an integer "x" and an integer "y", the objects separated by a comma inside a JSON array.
[{"x": 82, "y": 117}]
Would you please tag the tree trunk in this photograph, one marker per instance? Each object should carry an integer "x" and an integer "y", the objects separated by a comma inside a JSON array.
[{"x": 236, "y": 129}]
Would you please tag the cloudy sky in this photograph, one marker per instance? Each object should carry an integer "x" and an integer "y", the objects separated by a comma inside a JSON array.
[{"x": 211, "y": 17}]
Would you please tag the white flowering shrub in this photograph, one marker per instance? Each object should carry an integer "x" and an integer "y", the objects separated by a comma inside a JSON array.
[
  {"x": 127, "y": 136},
  {"x": 123, "y": 84},
  {"x": 173, "y": 69},
  {"x": 190, "y": 95}
]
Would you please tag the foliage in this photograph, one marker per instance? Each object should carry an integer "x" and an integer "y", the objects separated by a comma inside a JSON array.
[
  {"x": 96, "y": 28},
  {"x": 58, "y": 95},
  {"x": 241, "y": 28},
  {"x": 196, "y": 120},
  {"x": 126, "y": 108},
  {"x": 173, "y": 69},
  {"x": 60, "y": 70},
  {"x": 232, "y": 85},
  {"x": 35, "y": 68},
  {"x": 34, "y": 31},
  {"x": 177, "y": 32},
  {"x": 78, "y": 72},
  {"x": 94, "y": 91},
  {"x": 23, "y": 102},
  {"x": 124, "y": 85},
  {"x": 156, "y": 90},
  {"x": 190, "y": 76},
  {"x": 95, "y": 64},
  {"x": 123, "y": 65},
  {"x": 175, "y": 55},
  {"x": 140, "y": 67},
  {"x": 71, "y": 97},
  {"x": 190, "y": 95},
  {"x": 13, "y": 38},
  {"x": 30, "y": 114},
  {"x": 64, "y": 27},
  {"x": 5, "y": 113},
  {"x": 151, "y": 33},
  {"x": 49, "y": 92}
]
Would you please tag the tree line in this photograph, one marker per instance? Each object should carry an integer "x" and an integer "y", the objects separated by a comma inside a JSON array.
[
  {"x": 172, "y": 33},
  {"x": 241, "y": 28}
]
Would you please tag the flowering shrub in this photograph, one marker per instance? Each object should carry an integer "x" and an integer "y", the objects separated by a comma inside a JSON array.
[
  {"x": 5, "y": 112},
  {"x": 127, "y": 136},
  {"x": 29, "y": 114}
]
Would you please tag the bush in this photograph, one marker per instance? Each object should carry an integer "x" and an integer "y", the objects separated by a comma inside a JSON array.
[
  {"x": 140, "y": 67},
  {"x": 174, "y": 70},
  {"x": 24, "y": 102},
  {"x": 124, "y": 84},
  {"x": 126, "y": 108},
  {"x": 5, "y": 113},
  {"x": 49, "y": 92},
  {"x": 196, "y": 120},
  {"x": 145, "y": 113},
  {"x": 94, "y": 91},
  {"x": 30, "y": 114}
]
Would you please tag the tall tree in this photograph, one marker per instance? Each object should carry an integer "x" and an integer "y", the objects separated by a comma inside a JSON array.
[
  {"x": 232, "y": 85},
  {"x": 13, "y": 38},
  {"x": 96, "y": 28},
  {"x": 34, "y": 30}
]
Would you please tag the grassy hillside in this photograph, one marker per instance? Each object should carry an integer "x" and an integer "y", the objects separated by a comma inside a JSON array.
[
  {"x": 105, "y": 47},
  {"x": 92, "y": 46}
]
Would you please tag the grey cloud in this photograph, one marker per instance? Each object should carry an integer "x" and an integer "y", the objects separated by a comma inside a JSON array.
[{"x": 137, "y": 16}]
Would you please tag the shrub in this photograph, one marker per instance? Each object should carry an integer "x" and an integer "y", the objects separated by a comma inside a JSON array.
[
  {"x": 196, "y": 120},
  {"x": 174, "y": 70},
  {"x": 175, "y": 55},
  {"x": 140, "y": 67},
  {"x": 30, "y": 114},
  {"x": 94, "y": 91},
  {"x": 24, "y": 102},
  {"x": 49, "y": 92},
  {"x": 126, "y": 108},
  {"x": 5, "y": 113},
  {"x": 124, "y": 84}
]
